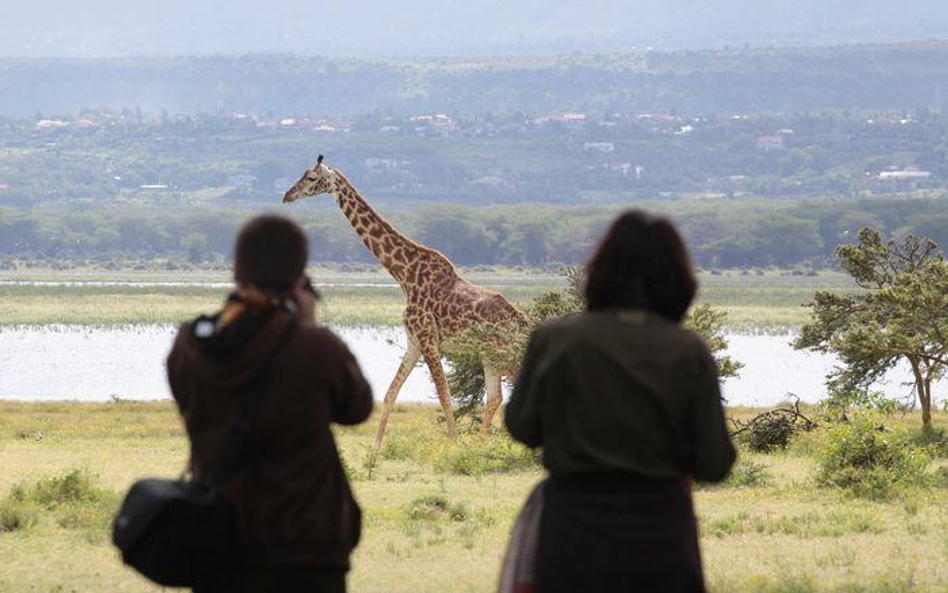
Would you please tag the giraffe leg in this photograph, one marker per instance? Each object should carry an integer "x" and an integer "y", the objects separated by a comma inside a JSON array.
[
  {"x": 433, "y": 360},
  {"x": 412, "y": 354},
  {"x": 494, "y": 396}
]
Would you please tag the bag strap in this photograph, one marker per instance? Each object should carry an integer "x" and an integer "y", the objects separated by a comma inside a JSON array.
[{"x": 250, "y": 401}]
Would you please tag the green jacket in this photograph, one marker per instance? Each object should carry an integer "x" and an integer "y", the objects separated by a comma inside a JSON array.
[{"x": 621, "y": 391}]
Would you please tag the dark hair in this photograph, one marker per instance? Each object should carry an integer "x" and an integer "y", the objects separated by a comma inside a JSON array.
[
  {"x": 641, "y": 263},
  {"x": 271, "y": 252}
]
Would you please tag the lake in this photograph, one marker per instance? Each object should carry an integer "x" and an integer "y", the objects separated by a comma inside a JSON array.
[{"x": 67, "y": 362}]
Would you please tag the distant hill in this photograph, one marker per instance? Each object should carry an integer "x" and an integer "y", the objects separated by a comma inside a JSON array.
[
  {"x": 724, "y": 81},
  {"x": 113, "y": 28}
]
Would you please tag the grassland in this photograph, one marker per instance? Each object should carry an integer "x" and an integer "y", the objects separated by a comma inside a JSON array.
[
  {"x": 771, "y": 300},
  {"x": 437, "y": 516}
]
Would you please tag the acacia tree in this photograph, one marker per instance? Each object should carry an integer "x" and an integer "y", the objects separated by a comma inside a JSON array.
[{"x": 900, "y": 314}]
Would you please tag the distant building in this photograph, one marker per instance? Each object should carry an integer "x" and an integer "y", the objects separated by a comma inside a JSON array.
[
  {"x": 903, "y": 180},
  {"x": 51, "y": 124},
  {"x": 658, "y": 117},
  {"x": 905, "y": 175},
  {"x": 599, "y": 147},
  {"x": 242, "y": 180},
  {"x": 154, "y": 186},
  {"x": 386, "y": 164},
  {"x": 771, "y": 142},
  {"x": 379, "y": 164},
  {"x": 568, "y": 117}
]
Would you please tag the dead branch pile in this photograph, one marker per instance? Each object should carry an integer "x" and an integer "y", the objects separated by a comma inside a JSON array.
[{"x": 772, "y": 429}]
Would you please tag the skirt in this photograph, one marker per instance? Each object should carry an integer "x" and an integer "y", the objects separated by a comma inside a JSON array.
[{"x": 615, "y": 532}]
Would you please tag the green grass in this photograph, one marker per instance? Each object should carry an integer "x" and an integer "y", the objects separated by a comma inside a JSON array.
[
  {"x": 772, "y": 300},
  {"x": 432, "y": 524}
]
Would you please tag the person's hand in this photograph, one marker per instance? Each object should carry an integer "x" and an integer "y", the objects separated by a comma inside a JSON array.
[{"x": 305, "y": 297}]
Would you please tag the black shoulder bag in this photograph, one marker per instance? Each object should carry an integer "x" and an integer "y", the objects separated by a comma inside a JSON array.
[{"x": 181, "y": 533}]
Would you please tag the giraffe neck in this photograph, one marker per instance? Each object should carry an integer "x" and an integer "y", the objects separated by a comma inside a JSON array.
[{"x": 395, "y": 251}]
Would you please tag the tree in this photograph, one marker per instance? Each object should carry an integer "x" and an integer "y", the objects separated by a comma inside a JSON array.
[{"x": 901, "y": 314}]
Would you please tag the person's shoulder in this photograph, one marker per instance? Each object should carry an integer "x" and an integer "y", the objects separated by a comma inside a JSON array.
[
  {"x": 561, "y": 327},
  {"x": 690, "y": 349},
  {"x": 686, "y": 338}
]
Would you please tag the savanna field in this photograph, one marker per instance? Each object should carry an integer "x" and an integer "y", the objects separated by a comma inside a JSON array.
[{"x": 437, "y": 514}]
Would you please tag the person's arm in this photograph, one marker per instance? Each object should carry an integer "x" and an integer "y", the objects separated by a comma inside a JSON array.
[
  {"x": 351, "y": 394},
  {"x": 712, "y": 451},
  {"x": 522, "y": 416}
]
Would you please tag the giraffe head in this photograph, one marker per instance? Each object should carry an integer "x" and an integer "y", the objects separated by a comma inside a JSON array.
[{"x": 317, "y": 180}]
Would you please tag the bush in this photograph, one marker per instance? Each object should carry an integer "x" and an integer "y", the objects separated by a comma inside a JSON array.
[
  {"x": 473, "y": 454},
  {"x": 75, "y": 486},
  {"x": 431, "y": 507},
  {"x": 869, "y": 461},
  {"x": 398, "y": 448},
  {"x": 16, "y": 516},
  {"x": 477, "y": 455},
  {"x": 744, "y": 474},
  {"x": 499, "y": 345},
  {"x": 749, "y": 474},
  {"x": 841, "y": 401},
  {"x": 73, "y": 497}
]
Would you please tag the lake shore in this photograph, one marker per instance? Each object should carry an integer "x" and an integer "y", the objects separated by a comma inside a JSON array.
[
  {"x": 780, "y": 535},
  {"x": 772, "y": 301}
]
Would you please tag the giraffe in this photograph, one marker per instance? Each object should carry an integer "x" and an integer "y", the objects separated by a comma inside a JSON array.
[{"x": 440, "y": 305}]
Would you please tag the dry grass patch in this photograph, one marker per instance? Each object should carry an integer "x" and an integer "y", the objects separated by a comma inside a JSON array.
[{"x": 431, "y": 529}]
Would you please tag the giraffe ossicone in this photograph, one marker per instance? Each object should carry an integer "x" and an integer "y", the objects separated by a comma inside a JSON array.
[{"x": 440, "y": 305}]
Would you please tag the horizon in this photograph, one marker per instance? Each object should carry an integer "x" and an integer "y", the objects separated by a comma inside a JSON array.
[{"x": 435, "y": 29}]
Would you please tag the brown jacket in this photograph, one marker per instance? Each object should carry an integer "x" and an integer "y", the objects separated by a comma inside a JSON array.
[{"x": 292, "y": 496}]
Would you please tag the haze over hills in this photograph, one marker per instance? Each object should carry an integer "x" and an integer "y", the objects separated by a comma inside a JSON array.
[
  {"x": 723, "y": 82},
  {"x": 112, "y": 28}
]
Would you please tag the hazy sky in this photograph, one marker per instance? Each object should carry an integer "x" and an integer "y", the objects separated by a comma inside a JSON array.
[{"x": 85, "y": 28}]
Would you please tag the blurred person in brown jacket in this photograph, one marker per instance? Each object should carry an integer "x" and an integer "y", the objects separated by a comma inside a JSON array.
[
  {"x": 297, "y": 518},
  {"x": 626, "y": 406}
]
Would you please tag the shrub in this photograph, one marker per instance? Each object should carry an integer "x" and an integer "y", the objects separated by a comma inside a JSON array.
[
  {"x": 74, "y": 486},
  {"x": 749, "y": 474},
  {"x": 870, "y": 461},
  {"x": 840, "y": 401},
  {"x": 500, "y": 345},
  {"x": 93, "y": 515},
  {"x": 435, "y": 507},
  {"x": 428, "y": 508},
  {"x": 16, "y": 516},
  {"x": 478, "y": 455},
  {"x": 398, "y": 448},
  {"x": 76, "y": 502}
]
